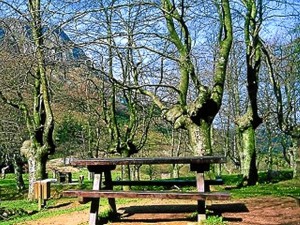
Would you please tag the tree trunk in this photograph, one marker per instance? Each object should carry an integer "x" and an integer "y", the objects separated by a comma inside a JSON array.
[
  {"x": 17, "y": 162},
  {"x": 37, "y": 159},
  {"x": 295, "y": 160},
  {"x": 200, "y": 139},
  {"x": 251, "y": 120},
  {"x": 31, "y": 177},
  {"x": 248, "y": 157},
  {"x": 270, "y": 162},
  {"x": 37, "y": 171},
  {"x": 136, "y": 175},
  {"x": 126, "y": 172},
  {"x": 175, "y": 171}
]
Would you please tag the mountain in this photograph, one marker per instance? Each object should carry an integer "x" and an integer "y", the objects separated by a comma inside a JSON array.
[{"x": 16, "y": 37}]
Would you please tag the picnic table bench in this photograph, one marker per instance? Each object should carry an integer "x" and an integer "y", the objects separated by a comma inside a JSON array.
[
  {"x": 62, "y": 175},
  {"x": 104, "y": 167},
  {"x": 166, "y": 183}
]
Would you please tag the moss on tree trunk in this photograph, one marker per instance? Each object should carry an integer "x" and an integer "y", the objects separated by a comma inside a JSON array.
[
  {"x": 248, "y": 156},
  {"x": 37, "y": 159},
  {"x": 199, "y": 137},
  {"x": 17, "y": 162},
  {"x": 295, "y": 160}
]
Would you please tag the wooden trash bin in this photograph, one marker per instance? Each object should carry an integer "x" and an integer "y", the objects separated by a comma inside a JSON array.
[{"x": 42, "y": 192}]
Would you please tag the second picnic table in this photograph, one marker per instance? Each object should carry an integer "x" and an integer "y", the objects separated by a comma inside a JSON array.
[{"x": 105, "y": 166}]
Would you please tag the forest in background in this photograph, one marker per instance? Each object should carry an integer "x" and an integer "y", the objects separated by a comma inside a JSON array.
[{"x": 150, "y": 78}]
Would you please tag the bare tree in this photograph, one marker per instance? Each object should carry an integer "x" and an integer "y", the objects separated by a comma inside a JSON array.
[
  {"x": 150, "y": 48},
  {"x": 284, "y": 76},
  {"x": 248, "y": 122},
  {"x": 37, "y": 113},
  {"x": 193, "y": 109}
]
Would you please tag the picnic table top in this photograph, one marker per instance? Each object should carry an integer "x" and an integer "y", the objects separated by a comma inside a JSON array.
[{"x": 149, "y": 160}]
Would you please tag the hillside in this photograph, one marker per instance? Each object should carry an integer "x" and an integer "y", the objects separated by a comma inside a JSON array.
[{"x": 16, "y": 37}]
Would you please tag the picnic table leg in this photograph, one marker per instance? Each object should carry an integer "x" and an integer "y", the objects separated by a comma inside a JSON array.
[
  {"x": 109, "y": 186},
  {"x": 200, "y": 187},
  {"x": 201, "y": 203},
  {"x": 95, "y": 201}
]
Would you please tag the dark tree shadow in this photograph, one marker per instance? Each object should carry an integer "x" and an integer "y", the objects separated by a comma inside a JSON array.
[
  {"x": 219, "y": 209},
  {"x": 59, "y": 205},
  {"x": 50, "y": 207},
  {"x": 181, "y": 213}
]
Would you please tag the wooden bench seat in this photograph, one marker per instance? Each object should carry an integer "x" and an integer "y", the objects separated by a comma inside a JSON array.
[
  {"x": 87, "y": 195},
  {"x": 179, "y": 183}
]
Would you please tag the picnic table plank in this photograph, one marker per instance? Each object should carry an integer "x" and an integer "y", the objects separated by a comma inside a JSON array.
[
  {"x": 147, "y": 194},
  {"x": 155, "y": 160},
  {"x": 180, "y": 183}
]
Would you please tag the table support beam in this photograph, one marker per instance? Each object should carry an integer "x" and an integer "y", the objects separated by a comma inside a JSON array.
[
  {"x": 109, "y": 186},
  {"x": 95, "y": 201},
  {"x": 201, "y": 204}
]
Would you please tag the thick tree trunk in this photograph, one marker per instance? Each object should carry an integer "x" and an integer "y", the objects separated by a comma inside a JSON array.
[
  {"x": 37, "y": 171},
  {"x": 126, "y": 173},
  {"x": 31, "y": 177},
  {"x": 199, "y": 137},
  {"x": 37, "y": 159},
  {"x": 295, "y": 160},
  {"x": 248, "y": 157},
  {"x": 17, "y": 162}
]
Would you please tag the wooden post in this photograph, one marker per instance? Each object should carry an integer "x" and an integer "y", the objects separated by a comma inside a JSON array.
[
  {"x": 200, "y": 188},
  {"x": 40, "y": 195},
  {"x": 109, "y": 186},
  {"x": 201, "y": 203},
  {"x": 95, "y": 201}
]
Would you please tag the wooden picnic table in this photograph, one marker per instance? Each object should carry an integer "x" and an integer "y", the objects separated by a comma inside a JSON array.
[{"x": 101, "y": 167}]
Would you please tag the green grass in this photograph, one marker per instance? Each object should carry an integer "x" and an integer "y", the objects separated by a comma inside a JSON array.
[
  {"x": 281, "y": 186},
  {"x": 214, "y": 220},
  {"x": 22, "y": 204},
  {"x": 280, "y": 189},
  {"x": 210, "y": 220},
  {"x": 235, "y": 179},
  {"x": 8, "y": 189}
]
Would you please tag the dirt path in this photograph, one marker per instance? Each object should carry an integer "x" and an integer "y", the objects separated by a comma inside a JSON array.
[{"x": 254, "y": 211}]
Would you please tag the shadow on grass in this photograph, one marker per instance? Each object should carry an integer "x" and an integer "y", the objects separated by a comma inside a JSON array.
[
  {"x": 110, "y": 217},
  {"x": 60, "y": 205},
  {"x": 50, "y": 207},
  {"x": 218, "y": 209},
  {"x": 169, "y": 213}
]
